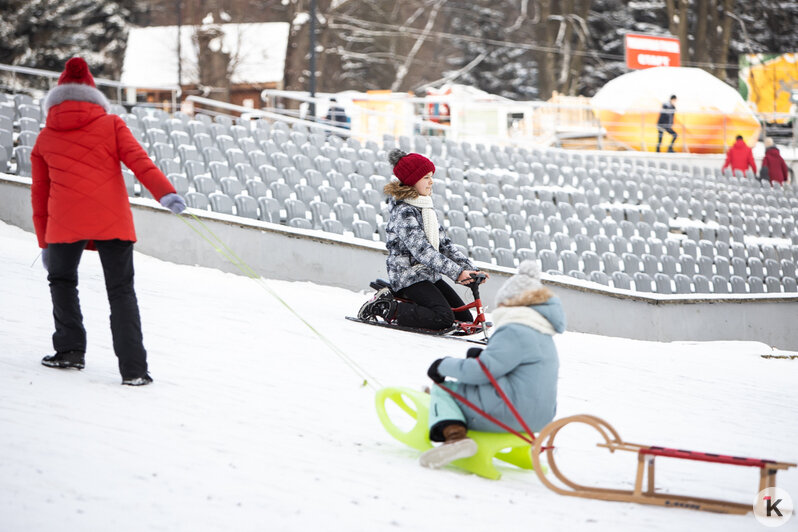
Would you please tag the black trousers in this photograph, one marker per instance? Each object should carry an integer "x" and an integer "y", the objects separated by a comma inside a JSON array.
[
  {"x": 116, "y": 257},
  {"x": 661, "y": 130},
  {"x": 430, "y": 306}
]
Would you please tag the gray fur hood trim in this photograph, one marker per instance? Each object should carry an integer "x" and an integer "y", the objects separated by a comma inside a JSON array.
[{"x": 75, "y": 92}]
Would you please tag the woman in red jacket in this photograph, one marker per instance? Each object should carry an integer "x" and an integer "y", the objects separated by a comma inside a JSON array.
[
  {"x": 79, "y": 201},
  {"x": 773, "y": 164}
]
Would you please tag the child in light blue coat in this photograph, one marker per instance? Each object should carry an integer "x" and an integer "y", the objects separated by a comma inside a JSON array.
[{"x": 520, "y": 354}]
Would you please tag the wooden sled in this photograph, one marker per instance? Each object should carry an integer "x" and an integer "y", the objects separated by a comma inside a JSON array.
[
  {"x": 504, "y": 446},
  {"x": 645, "y": 461}
]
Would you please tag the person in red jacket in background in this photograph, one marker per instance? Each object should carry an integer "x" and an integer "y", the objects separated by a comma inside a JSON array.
[
  {"x": 80, "y": 202},
  {"x": 773, "y": 164},
  {"x": 740, "y": 156}
]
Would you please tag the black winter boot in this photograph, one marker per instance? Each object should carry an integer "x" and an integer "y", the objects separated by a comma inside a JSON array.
[
  {"x": 67, "y": 359},
  {"x": 382, "y": 304},
  {"x": 138, "y": 381}
]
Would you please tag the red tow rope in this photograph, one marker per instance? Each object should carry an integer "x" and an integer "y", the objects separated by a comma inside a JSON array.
[{"x": 530, "y": 439}]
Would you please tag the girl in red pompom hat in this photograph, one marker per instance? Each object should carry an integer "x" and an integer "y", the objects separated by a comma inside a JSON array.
[{"x": 419, "y": 254}]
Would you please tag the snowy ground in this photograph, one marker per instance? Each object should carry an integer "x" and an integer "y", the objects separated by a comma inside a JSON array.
[{"x": 253, "y": 424}]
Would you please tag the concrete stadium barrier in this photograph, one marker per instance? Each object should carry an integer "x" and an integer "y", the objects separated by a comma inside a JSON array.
[{"x": 279, "y": 252}]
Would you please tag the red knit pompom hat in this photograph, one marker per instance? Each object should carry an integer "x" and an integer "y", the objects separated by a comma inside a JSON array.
[
  {"x": 409, "y": 168},
  {"x": 76, "y": 71}
]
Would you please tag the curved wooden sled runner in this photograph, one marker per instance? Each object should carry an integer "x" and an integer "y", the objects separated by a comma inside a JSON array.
[{"x": 645, "y": 460}]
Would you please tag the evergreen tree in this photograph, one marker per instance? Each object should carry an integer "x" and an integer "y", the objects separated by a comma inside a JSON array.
[{"x": 46, "y": 33}]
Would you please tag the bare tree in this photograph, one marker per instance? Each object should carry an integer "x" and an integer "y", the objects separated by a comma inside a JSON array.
[
  {"x": 562, "y": 33},
  {"x": 711, "y": 22}
]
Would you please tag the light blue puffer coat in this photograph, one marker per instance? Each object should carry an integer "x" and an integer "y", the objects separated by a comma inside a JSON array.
[{"x": 524, "y": 361}]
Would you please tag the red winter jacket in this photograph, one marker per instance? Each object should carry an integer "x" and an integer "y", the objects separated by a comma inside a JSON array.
[
  {"x": 78, "y": 191},
  {"x": 740, "y": 157},
  {"x": 777, "y": 168}
]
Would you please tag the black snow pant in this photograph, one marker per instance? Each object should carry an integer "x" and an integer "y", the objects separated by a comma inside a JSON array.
[
  {"x": 660, "y": 131},
  {"x": 116, "y": 257},
  {"x": 430, "y": 306}
]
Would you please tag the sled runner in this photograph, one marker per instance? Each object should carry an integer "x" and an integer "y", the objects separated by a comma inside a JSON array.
[
  {"x": 502, "y": 445},
  {"x": 453, "y": 333},
  {"x": 646, "y": 455}
]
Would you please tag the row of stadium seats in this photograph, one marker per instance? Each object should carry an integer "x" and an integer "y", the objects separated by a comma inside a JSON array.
[{"x": 594, "y": 217}]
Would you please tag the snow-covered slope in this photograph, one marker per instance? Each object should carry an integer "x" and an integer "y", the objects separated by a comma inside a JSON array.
[{"x": 254, "y": 424}]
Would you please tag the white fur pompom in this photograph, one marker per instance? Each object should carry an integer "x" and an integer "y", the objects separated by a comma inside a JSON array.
[{"x": 530, "y": 268}]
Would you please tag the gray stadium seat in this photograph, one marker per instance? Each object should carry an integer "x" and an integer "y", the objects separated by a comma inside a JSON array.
[
  {"x": 683, "y": 284},
  {"x": 504, "y": 257},
  {"x": 548, "y": 260},
  {"x": 221, "y": 203},
  {"x": 231, "y": 186},
  {"x": 269, "y": 209},
  {"x": 772, "y": 284},
  {"x": 295, "y": 209},
  {"x": 611, "y": 262},
  {"x": 332, "y": 226},
  {"x": 755, "y": 267},
  {"x": 180, "y": 183},
  {"x": 204, "y": 184},
  {"x": 662, "y": 283},
  {"x": 300, "y": 223},
  {"x": 246, "y": 206},
  {"x": 480, "y": 237},
  {"x": 756, "y": 285},
  {"x": 621, "y": 280},
  {"x": 197, "y": 200},
  {"x": 705, "y": 266},
  {"x": 481, "y": 254},
  {"x": 363, "y": 229},
  {"x": 789, "y": 284},
  {"x": 256, "y": 188},
  {"x": 701, "y": 284},
  {"x": 631, "y": 263},
  {"x": 643, "y": 282},
  {"x": 345, "y": 214},
  {"x": 600, "y": 278}
]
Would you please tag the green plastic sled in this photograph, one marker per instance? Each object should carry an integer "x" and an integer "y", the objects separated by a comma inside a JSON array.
[{"x": 502, "y": 445}]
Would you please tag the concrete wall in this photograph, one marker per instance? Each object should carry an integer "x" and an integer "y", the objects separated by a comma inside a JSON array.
[{"x": 279, "y": 252}]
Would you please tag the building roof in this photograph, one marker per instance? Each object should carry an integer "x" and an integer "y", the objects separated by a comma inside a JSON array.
[{"x": 258, "y": 51}]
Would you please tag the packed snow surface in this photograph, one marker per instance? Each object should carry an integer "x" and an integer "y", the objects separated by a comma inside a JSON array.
[{"x": 253, "y": 423}]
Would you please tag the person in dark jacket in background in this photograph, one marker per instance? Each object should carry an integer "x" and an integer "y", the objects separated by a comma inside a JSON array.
[
  {"x": 773, "y": 166},
  {"x": 740, "y": 157},
  {"x": 336, "y": 115},
  {"x": 80, "y": 202},
  {"x": 665, "y": 122}
]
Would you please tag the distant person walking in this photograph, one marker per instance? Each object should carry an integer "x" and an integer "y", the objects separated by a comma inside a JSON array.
[
  {"x": 773, "y": 166},
  {"x": 336, "y": 115},
  {"x": 665, "y": 122},
  {"x": 740, "y": 157},
  {"x": 80, "y": 202}
]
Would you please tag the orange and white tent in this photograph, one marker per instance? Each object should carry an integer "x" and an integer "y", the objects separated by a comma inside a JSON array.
[{"x": 709, "y": 113}]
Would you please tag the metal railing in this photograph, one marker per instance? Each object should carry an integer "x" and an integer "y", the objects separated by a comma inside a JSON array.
[{"x": 11, "y": 78}]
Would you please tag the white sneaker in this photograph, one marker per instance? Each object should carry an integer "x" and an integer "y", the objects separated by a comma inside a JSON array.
[{"x": 447, "y": 453}]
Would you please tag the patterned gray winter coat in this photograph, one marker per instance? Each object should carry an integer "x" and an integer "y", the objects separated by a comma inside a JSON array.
[{"x": 411, "y": 258}]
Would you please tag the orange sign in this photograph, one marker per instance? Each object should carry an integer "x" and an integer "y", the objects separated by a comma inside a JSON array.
[{"x": 646, "y": 51}]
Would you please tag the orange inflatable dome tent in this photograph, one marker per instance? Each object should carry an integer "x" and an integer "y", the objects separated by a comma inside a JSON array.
[{"x": 709, "y": 113}]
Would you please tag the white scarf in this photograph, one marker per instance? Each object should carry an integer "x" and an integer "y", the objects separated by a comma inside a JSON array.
[
  {"x": 430, "y": 218},
  {"x": 524, "y": 316}
]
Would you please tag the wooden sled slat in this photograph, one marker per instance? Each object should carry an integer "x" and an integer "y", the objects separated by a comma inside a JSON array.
[{"x": 646, "y": 456}]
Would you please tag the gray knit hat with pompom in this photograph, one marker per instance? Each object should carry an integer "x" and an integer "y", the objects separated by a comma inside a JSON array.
[{"x": 526, "y": 280}]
